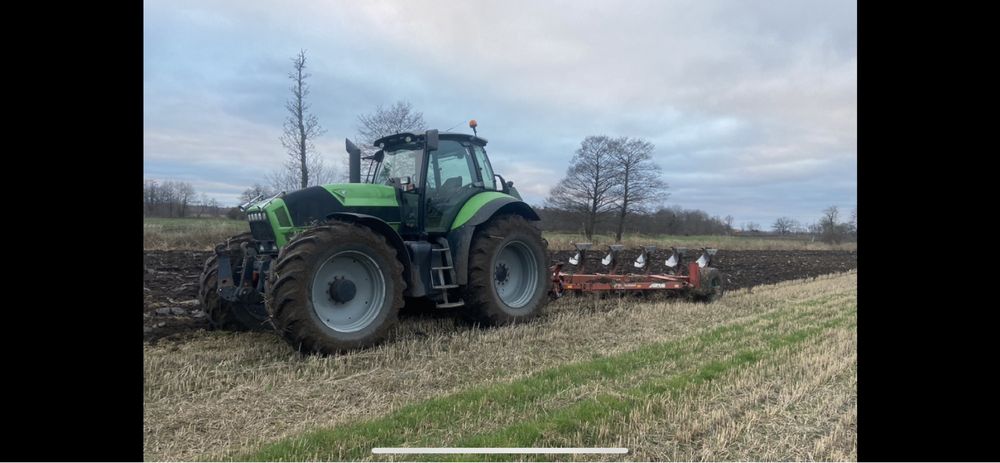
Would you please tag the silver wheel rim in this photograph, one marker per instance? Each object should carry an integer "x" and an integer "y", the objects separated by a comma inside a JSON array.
[
  {"x": 366, "y": 277},
  {"x": 515, "y": 274}
]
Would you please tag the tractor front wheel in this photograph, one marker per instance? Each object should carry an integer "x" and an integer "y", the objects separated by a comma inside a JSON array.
[
  {"x": 508, "y": 272},
  {"x": 334, "y": 288},
  {"x": 223, "y": 314}
]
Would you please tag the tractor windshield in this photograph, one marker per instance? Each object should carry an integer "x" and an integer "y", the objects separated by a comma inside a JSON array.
[{"x": 398, "y": 163}]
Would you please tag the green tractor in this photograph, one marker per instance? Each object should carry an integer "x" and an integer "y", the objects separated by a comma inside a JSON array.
[{"x": 330, "y": 266}]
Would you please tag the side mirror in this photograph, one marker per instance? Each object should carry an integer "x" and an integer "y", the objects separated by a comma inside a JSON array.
[
  {"x": 504, "y": 184},
  {"x": 431, "y": 139},
  {"x": 403, "y": 183}
]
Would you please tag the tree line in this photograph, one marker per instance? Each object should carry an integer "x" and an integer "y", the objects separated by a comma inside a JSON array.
[
  {"x": 673, "y": 220},
  {"x": 176, "y": 199},
  {"x": 829, "y": 228}
]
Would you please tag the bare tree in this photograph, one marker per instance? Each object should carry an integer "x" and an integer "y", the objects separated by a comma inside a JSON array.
[
  {"x": 289, "y": 180},
  {"x": 588, "y": 187},
  {"x": 213, "y": 207},
  {"x": 784, "y": 225},
  {"x": 830, "y": 215},
  {"x": 185, "y": 196},
  {"x": 752, "y": 227},
  {"x": 202, "y": 205},
  {"x": 640, "y": 185},
  {"x": 729, "y": 224},
  {"x": 400, "y": 117},
  {"x": 149, "y": 196},
  {"x": 853, "y": 224},
  {"x": 168, "y": 198},
  {"x": 301, "y": 127},
  {"x": 831, "y": 230},
  {"x": 255, "y": 191}
]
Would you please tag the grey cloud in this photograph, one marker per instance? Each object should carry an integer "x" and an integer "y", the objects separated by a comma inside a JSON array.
[{"x": 752, "y": 105}]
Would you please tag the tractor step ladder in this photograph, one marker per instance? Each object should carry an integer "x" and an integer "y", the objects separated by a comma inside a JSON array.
[{"x": 438, "y": 278}]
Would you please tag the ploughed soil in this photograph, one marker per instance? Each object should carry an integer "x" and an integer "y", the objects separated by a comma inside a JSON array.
[{"x": 170, "y": 278}]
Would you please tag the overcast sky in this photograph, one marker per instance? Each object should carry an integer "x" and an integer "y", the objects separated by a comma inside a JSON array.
[{"x": 752, "y": 105}]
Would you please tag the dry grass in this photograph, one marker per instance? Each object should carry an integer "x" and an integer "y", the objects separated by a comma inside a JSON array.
[
  {"x": 564, "y": 242},
  {"x": 799, "y": 405},
  {"x": 227, "y": 393},
  {"x": 188, "y": 234}
]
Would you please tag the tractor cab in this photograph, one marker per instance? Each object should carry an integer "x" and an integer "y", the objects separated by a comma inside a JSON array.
[{"x": 434, "y": 174}]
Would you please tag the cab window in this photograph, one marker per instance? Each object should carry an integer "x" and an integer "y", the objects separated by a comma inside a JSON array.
[
  {"x": 485, "y": 170},
  {"x": 451, "y": 180},
  {"x": 450, "y": 168}
]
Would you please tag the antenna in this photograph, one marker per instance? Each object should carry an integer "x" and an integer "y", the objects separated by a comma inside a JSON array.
[{"x": 452, "y": 127}]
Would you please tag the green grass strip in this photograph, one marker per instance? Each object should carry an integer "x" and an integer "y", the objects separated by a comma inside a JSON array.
[{"x": 569, "y": 420}]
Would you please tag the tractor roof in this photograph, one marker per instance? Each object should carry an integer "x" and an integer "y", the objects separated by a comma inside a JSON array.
[{"x": 401, "y": 138}]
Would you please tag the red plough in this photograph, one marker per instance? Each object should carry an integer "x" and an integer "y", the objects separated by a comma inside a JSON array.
[{"x": 697, "y": 279}]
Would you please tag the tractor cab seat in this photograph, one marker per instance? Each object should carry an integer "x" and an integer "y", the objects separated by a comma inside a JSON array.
[{"x": 452, "y": 184}]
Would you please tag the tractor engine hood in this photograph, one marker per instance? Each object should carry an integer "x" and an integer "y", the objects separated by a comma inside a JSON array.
[{"x": 316, "y": 203}]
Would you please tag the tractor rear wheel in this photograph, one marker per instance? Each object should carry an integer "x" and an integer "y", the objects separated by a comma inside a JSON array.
[
  {"x": 334, "y": 288},
  {"x": 223, "y": 314},
  {"x": 508, "y": 272},
  {"x": 712, "y": 286}
]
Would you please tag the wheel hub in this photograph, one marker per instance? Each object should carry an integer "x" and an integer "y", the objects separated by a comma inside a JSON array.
[
  {"x": 501, "y": 273},
  {"x": 342, "y": 290}
]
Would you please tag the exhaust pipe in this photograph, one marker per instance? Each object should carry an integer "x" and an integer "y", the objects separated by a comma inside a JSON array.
[{"x": 354, "y": 162}]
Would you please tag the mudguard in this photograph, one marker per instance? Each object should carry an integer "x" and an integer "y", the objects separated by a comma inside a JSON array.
[{"x": 460, "y": 237}]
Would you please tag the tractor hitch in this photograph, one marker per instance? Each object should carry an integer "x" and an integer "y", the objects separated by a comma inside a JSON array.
[{"x": 246, "y": 286}]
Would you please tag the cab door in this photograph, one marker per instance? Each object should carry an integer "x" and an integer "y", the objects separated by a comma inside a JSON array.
[{"x": 452, "y": 178}]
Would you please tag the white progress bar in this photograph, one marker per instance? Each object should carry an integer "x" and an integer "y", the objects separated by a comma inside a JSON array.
[{"x": 518, "y": 450}]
